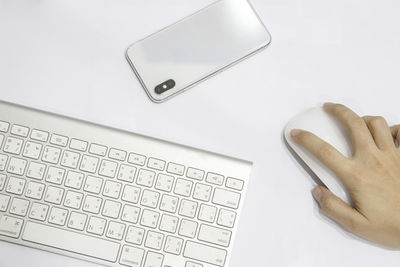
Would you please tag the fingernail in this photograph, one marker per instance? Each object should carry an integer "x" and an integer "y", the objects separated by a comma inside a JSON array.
[
  {"x": 317, "y": 194},
  {"x": 295, "y": 132},
  {"x": 328, "y": 104}
]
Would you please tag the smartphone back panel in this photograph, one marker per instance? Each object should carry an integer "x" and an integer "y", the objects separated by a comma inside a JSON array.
[{"x": 195, "y": 48}]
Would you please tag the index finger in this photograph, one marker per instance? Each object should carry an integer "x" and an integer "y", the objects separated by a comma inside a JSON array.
[
  {"x": 324, "y": 152},
  {"x": 359, "y": 133}
]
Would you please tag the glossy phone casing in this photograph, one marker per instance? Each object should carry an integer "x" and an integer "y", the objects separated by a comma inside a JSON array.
[{"x": 197, "y": 47}]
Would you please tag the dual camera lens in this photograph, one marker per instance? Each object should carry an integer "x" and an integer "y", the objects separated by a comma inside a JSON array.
[{"x": 165, "y": 86}]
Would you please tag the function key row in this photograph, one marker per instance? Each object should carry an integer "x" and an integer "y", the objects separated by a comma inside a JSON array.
[{"x": 116, "y": 154}]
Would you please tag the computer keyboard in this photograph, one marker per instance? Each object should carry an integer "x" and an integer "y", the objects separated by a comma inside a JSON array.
[{"x": 113, "y": 197}]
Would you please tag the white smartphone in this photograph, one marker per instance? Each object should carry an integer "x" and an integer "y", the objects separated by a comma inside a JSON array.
[{"x": 180, "y": 56}]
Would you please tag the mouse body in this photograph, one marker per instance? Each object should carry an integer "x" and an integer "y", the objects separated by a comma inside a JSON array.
[{"x": 328, "y": 128}]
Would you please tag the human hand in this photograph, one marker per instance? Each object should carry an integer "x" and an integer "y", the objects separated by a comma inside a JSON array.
[{"x": 372, "y": 176}]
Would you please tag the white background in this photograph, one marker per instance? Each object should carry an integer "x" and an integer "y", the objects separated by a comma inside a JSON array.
[{"x": 68, "y": 57}]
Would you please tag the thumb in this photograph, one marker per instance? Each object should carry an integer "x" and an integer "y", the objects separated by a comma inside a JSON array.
[{"x": 339, "y": 210}]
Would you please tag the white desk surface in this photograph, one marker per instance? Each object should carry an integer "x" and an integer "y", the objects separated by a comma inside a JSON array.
[{"x": 68, "y": 57}]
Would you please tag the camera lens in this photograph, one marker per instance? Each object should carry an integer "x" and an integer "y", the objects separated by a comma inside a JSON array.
[
  {"x": 165, "y": 86},
  {"x": 171, "y": 83}
]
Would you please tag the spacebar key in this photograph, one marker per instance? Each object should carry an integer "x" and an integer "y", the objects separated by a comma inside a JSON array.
[{"x": 71, "y": 241}]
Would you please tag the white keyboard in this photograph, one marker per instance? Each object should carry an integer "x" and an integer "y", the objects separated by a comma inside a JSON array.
[{"x": 113, "y": 197}]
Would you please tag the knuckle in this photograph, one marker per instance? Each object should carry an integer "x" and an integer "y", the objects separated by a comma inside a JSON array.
[
  {"x": 356, "y": 122},
  {"x": 325, "y": 150},
  {"x": 354, "y": 226},
  {"x": 328, "y": 205},
  {"x": 378, "y": 120}
]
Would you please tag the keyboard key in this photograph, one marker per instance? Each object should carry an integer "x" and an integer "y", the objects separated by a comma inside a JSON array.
[
  {"x": 4, "y": 200},
  {"x": 17, "y": 166},
  {"x": 207, "y": 213},
  {"x": 183, "y": 187},
  {"x": 93, "y": 184},
  {"x": 1, "y": 140},
  {"x": 71, "y": 241},
  {"x": 235, "y": 184},
  {"x": 214, "y": 235},
  {"x": 32, "y": 150},
  {"x": 131, "y": 194},
  {"x": 136, "y": 159},
  {"x": 176, "y": 169},
  {"x": 117, "y": 154},
  {"x": 51, "y": 154},
  {"x": 154, "y": 259},
  {"x": 36, "y": 170},
  {"x": 73, "y": 200},
  {"x": 54, "y": 195},
  {"x": 10, "y": 226},
  {"x": 150, "y": 199},
  {"x": 226, "y": 218},
  {"x": 115, "y": 230},
  {"x": 145, "y": 178},
  {"x": 15, "y": 185},
  {"x": 98, "y": 150},
  {"x": 130, "y": 214},
  {"x": 58, "y": 216},
  {"x": 96, "y": 225},
  {"x": 173, "y": 245},
  {"x": 39, "y": 135},
  {"x": 38, "y": 211},
  {"x": 35, "y": 190},
  {"x": 89, "y": 164},
  {"x": 205, "y": 253},
  {"x": 202, "y": 192},
  {"x": 108, "y": 168},
  {"x": 188, "y": 228},
  {"x": 112, "y": 189},
  {"x": 169, "y": 203},
  {"x": 92, "y": 204},
  {"x": 214, "y": 178},
  {"x": 3, "y": 162},
  {"x": 13, "y": 145},
  {"x": 154, "y": 240},
  {"x": 77, "y": 221},
  {"x": 192, "y": 264},
  {"x": 188, "y": 208},
  {"x": 131, "y": 256},
  {"x": 126, "y": 173},
  {"x": 59, "y": 140},
  {"x": 150, "y": 218},
  {"x": 78, "y": 145},
  {"x": 70, "y": 159},
  {"x": 3, "y": 178},
  {"x": 164, "y": 182},
  {"x": 195, "y": 174},
  {"x": 169, "y": 223},
  {"x": 19, "y": 130},
  {"x": 74, "y": 180},
  {"x": 19, "y": 206},
  {"x": 55, "y": 175},
  {"x": 226, "y": 198},
  {"x": 156, "y": 164},
  {"x": 4, "y": 126},
  {"x": 111, "y": 209},
  {"x": 135, "y": 235}
]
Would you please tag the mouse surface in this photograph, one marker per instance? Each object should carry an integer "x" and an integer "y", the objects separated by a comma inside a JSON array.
[{"x": 328, "y": 128}]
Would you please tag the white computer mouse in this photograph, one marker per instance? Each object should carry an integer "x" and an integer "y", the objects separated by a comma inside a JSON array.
[{"x": 317, "y": 121}]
